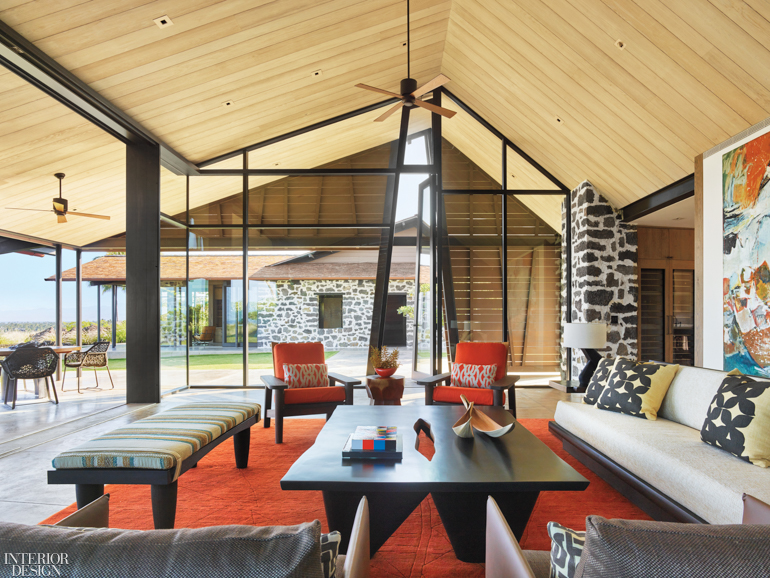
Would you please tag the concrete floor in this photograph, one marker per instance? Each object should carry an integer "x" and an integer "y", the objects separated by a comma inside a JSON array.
[{"x": 36, "y": 431}]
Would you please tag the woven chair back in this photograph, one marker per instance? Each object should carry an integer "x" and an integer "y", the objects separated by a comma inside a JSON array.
[
  {"x": 31, "y": 363},
  {"x": 96, "y": 356}
]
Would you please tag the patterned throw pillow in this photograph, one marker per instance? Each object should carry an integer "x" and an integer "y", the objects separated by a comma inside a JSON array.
[
  {"x": 738, "y": 419},
  {"x": 330, "y": 548},
  {"x": 566, "y": 549},
  {"x": 598, "y": 381},
  {"x": 305, "y": 375},
  {"x": 637, "y": 388},
  {"x": 467, "y": 375}
]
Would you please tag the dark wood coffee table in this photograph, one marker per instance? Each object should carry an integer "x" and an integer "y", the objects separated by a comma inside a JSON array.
[{"x": 512, "y": 469}]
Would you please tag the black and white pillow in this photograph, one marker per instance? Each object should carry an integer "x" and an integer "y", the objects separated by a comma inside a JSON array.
[
  {"x": 566, "y": 549},
  {"x": 330, "y": 548},
  {"x": 738, "y": 419},
  {"x": 598, "y": 380}
]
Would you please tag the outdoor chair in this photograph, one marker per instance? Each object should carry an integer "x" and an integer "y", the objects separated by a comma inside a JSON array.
[
  {"x": 21, "y": 346},
  {"x": 302, "y": 400},
  {"x": 95, "y": 356},
  {"x": 206, "y": 336},
  {"x": 30, "y": 363},
  {"x": 439, "y": 391}
]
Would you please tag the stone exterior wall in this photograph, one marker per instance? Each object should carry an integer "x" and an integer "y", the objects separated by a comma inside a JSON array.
[
  {"x": 605, "y": 287},
  {"x": 293, "y": 315}
]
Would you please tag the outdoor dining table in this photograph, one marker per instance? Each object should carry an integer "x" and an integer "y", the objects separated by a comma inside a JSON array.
[{"x": 40, "y": 390}]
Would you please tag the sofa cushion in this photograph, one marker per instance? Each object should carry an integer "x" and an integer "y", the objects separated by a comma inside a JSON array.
[
  {"x": 566, "y": 548},
  {"x": 672, "y": 458},
  {"x": 222, "y": 551},
  {"x": 644, "y": 549},
  {"x": 738, "y": 419},
  {"x": 636, "y": 389},
  {"x": 599, "y": 380},
  {"x": 689, "y": 395}
]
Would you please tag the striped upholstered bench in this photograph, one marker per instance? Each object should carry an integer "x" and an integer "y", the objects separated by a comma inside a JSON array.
[{"x": 156, "y": 450}]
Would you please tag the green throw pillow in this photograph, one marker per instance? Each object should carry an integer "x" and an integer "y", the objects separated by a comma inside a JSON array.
[
  {"x": 738, "y": 419},
  {"x": 566, "y": 549},
  {"x": 637, "y": 389},
  {"x": 598, "y": 380}
]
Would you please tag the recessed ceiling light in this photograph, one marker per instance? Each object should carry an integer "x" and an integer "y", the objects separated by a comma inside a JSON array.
[
  {"x": 559, "y": 121},
  {"x": 678, "y": 219},
  {"x": 228, "y": 104},
  {"x": 620, "y": 44},
  {"x": 317, "y": 72},
  {"x": 163, "y": 22}
]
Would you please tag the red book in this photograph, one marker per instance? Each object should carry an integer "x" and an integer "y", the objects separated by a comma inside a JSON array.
[{"x": 368, "y": 444}]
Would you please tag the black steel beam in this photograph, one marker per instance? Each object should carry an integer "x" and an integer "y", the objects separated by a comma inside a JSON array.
[
  {"x": 297, "y": 226},
  {"x": 79, "y": 300},
  {"x": 550, "y": 192},
  {"x": 437, "y": 209},
  {"x": 29, "y": 62},
  {"x": 504, "y": 235},
  {"x": 298, "y": 132},
  {"x": 507, "y": 141},
  {"x": 245, "y": 262},
  {"x": 660, "y": 199},
  {"x": 411, "y": 169},
  {"x": 142, "y": 273}
]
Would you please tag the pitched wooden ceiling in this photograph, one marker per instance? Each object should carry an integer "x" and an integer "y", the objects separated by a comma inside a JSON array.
[{"x": 549, "y": 74}]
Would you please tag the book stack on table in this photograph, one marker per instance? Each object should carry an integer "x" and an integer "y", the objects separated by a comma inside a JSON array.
[{"x": 373, "y": 442}]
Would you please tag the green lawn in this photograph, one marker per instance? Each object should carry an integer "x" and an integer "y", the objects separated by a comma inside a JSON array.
[{"x": 214, "y": 361}]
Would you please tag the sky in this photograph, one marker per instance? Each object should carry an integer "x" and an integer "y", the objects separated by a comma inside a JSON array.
[{"x": 26, "y": 296}]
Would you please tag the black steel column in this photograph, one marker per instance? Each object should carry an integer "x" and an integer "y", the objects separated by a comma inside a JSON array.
[
  {"x": 114, "y": 307},
  {"x": 98, "y": 312},
  {"x": 79, "y": 302},
  {"x": 382, "y": 281},
  {"x": 142, "y": 273},
  {"x": 58, "y": 304},
  {"x": 187, "y": 280},
  {"x": 437, "y": 209},
  {"x": 504, "y": 257},
  {"x": 568, "y": 273},
  {"x": 245, "y": 306}
]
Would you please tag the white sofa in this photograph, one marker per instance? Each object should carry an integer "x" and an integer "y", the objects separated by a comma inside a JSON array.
[{"x": 663, "y": 463}]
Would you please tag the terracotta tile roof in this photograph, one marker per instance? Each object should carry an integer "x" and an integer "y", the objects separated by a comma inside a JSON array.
[
  {"x": 112, "y": 269},
  {"x": 301, "y": 271}
]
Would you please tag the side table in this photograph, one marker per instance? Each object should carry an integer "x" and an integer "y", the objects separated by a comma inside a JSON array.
[{"x": 384, "y": 390}]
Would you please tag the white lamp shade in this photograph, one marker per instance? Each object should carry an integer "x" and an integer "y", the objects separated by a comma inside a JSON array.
[{"x": 585, "y": 335}]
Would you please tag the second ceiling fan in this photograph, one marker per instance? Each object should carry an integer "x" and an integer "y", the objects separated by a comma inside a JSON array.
[{"x": 410, "y": 94}]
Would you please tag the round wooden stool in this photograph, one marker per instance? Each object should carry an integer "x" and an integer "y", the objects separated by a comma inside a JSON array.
[{"x": 385, "y": 390}]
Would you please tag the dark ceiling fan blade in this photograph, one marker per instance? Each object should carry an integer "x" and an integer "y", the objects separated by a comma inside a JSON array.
[
  {"x": 38, "y": 210},
  {"x": 432, "y": 85},
  {"x": 389, "y": 112},
  {"x": 74, "y": 213},
  {"x": 375, "y": 89},
  {"x": 61, "y": 218},
  {"x": 433, "y": 108}
]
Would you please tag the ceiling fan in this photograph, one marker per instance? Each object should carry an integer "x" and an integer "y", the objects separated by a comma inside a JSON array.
[
  {"x": 410, "y": 94},
  {"x": 60, "y": 207}
]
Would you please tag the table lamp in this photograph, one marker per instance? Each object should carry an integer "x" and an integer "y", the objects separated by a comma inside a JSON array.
[{"x": 589, "y": 337}]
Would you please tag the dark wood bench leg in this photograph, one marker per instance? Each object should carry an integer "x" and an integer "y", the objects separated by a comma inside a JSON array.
[
  {"x": 242, "y": 442},
  {"x": 268, "y": 405},
  {"x": 164, "y": 505},
  {"x": 279, "y": 396},
  {"x": 87, "y": 493}
]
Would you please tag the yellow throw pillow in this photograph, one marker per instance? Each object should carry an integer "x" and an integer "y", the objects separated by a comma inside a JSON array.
[
  {"x": 637, "y": 388},
  {"x": 738, "y": 419}
]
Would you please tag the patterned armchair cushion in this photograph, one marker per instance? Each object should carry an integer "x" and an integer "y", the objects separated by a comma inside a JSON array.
[
  {"x": 566, "y": 549},
  {"x": 637, "y": 389},
  {"x": 467, "y": 375},
  {"x": 738, "y": 419},
  {"x": 599, "y": 380},
  {"x": 306, "y": 374}
]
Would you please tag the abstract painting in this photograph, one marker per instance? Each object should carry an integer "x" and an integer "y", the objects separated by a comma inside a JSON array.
[{"x": 746, "y": 252}]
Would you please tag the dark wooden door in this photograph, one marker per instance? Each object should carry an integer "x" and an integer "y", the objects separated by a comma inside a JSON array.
[{"x": 395, "y": 323}]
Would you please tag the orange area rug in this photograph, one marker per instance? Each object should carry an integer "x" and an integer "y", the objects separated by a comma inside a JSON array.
[{"x": 217, "y": 493}]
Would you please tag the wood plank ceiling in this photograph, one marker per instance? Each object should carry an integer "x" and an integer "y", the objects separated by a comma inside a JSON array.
[{"x": 549, "y": 74}]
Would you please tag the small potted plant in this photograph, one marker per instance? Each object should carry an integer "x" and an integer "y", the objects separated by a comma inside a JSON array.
[{"x": 385, "y": 362}]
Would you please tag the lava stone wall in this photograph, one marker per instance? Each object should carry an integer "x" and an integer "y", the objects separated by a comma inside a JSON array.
[
  {"x": 293, "y": 315},
  {"x": 605, "y": 287}
]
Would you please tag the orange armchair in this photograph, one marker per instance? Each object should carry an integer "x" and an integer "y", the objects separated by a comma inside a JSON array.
[
  {"x": 304, "y": 400},
  {"x": 438, "y": 388}
]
